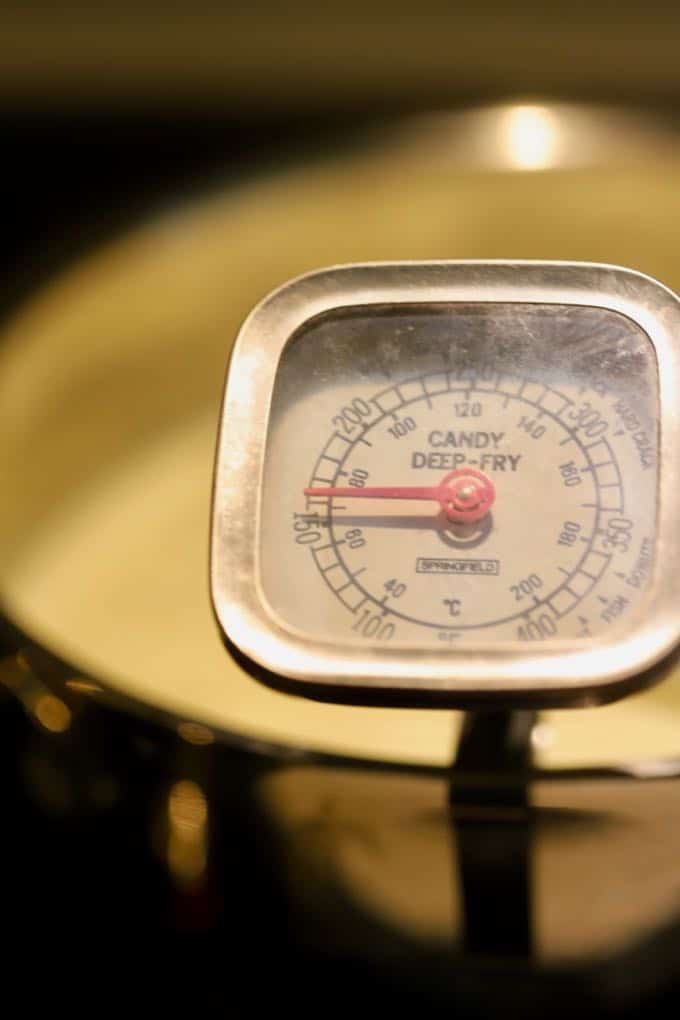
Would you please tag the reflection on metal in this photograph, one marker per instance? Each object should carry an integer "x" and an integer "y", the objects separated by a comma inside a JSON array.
[
  {"x": 196, "y": 734},
  {"x": 52, "y": 713},
  {"x": 666, "y": 768},
  {"x": 587, "y": 872},
  {"x": 530, "y": 137},
  {"x": 83, "y": 686},
  {"x": 11, "y": 672},
  {"x": 380, "y": 841},
  {"x": 17, "y": 674},
  {"x": 188, "y": 832},
  {"x": 542, "y": 736}
]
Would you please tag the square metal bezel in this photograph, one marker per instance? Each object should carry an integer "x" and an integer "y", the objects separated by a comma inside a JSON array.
[{"x": 450, "y": 677}]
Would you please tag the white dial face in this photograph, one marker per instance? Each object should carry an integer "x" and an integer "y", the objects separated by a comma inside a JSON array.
[{"x": 474, "y": 474}]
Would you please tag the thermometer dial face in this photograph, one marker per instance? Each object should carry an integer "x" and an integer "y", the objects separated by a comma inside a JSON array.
[
  {"x": 438, "y": 476},
  {"x": 453, "y": 484}
]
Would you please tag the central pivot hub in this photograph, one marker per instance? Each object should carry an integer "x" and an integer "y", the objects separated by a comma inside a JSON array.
[{"x": 466, "y": 495}]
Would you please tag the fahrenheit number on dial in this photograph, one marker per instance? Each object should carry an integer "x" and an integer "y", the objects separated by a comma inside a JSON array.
[
  {"x": 372, "y": 625},
  {"x": 614, "y": 609},
  {"x": 618, "y": 534},
  {"x": 402, "y": 427},
  {"x": 306, "y": 527},
  {"x": 468, "y": 409},
  {"x": 588, "y": 419},
  {"x": 538, "y": 629},
  {"x": 350, "y": 416}
]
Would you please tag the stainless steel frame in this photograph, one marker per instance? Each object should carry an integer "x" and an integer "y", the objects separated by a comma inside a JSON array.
[{"x": 552, "y": 674}]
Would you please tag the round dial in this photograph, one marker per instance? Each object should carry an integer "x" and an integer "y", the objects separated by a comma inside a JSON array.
[
  {"x": 423, "y": 495},
  {"x": 528, "y": 560}
]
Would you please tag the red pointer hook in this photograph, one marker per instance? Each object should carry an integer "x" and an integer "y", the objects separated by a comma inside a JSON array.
[{"x": 465, "y": 494}]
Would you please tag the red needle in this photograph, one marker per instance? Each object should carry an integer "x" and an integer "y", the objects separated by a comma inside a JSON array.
[{"x": 465, "y": 494}]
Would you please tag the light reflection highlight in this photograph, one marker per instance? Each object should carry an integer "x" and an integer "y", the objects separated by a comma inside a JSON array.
[
  {"x": 196, "y": 734},
  {"x": 52, "y": 713},
  {"x": 83, "y": 686},
  {"x": 530, "y": 137},
  {"x": 188, "y": 832}
]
